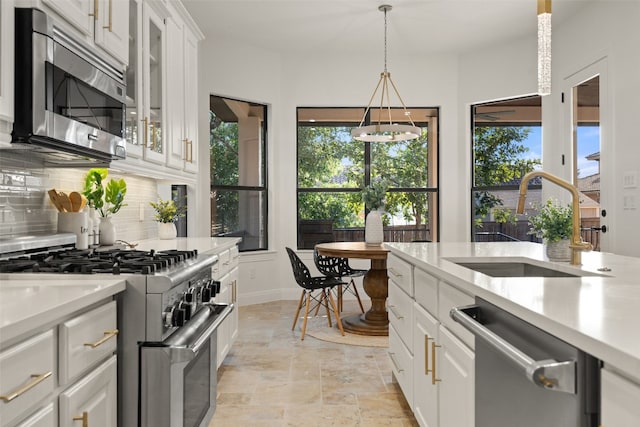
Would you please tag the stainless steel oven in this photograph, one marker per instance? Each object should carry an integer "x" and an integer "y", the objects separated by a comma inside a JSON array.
[
  {"x": 178, "y": 375},
  {"x": 69, "y": 102},
  {"x": 167, "y": 318}
]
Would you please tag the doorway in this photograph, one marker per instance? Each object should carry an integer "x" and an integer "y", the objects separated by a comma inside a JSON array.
[{"x": 590, "y": 152}]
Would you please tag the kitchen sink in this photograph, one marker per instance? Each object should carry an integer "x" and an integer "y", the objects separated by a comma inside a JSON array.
[{"x": 517, "y": 269}]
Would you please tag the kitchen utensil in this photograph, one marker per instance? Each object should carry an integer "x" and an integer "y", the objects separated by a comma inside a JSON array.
[
  {"x": 53, "y": 196},
  {"x": 83, "y": 203},
  {"x": 64, "y": 201},
  {"x": 75, "y": 199}
]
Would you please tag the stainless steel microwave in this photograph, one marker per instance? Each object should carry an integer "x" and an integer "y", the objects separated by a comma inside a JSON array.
[{"x": 69, "y": 102}]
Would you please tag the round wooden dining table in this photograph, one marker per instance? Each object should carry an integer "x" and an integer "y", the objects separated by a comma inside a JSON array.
[{"x": 376, "y": 320}]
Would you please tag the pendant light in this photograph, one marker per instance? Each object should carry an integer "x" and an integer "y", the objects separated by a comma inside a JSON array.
[
  {"x": 544, "y": 47},
  {"x": 382, "y": 132}
]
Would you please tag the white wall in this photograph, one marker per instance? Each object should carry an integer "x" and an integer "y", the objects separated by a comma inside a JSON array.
[{"x": 448, "y": 81}]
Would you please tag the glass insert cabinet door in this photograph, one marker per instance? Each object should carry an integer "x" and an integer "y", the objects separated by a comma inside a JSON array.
[{"x": 145, "y": 83}]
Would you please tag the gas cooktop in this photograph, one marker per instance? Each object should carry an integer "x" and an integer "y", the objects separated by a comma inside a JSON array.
[{"x": 114, "y": 261}]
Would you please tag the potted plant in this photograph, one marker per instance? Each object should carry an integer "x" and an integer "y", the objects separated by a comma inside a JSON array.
[
  {"x": 554, "y": 225},
  {"x": 373, "y": 197},
  {"x": 167, "y": 213},
  {"x": 106, "y": 200}
]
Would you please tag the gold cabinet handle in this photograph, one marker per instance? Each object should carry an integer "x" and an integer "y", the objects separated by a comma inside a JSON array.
[
  {"x": 434, "y": 376},
  {"x": 394, "y": 272},
  {"x": 95, "y": 10},
  {"x": 84, "y": 418},
  {"x": 146, "y": 131},
  {"x": 110, "y": 26},
  {"x": 190, "y": 145},
  {"x": 107, "y": 335},
  {"x": 234, "y": 286},
  {"x": 37, "y": 379},
  {"x": 426, "y": 355},
  {"x": 395, "y": 313}
]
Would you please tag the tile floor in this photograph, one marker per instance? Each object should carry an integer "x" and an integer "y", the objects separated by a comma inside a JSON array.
[{"x": 272, "y": 378}]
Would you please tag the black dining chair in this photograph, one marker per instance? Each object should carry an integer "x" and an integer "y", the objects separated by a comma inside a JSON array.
[
  {"x": 339, "y": 268},
  {"x": 316, "y": 290}
]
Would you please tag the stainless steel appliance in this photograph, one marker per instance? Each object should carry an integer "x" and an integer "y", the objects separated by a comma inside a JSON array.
[
  {"x": 526, "y": 377},
  {"x": 167, "y": 318},
  {"x": 69, "y": 102}
]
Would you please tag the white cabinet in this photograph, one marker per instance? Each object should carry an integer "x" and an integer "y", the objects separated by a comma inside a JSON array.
[
  {"x": 106, "y": 22},
  {"x": 455, "y": 370},
  {"x": 227, "y": 272},
  {"x": 145, "y": 121},
  {"x": 426, "y": 385},
  {"x": 45, "y": 417},
  {"x": 6, "y": 69},
  {"x": 432, "y": 357},
  {"x": 29, "y": 375},
  {"x": 619, "y": 400},
  {"x": 92, "y": 401},
  {"x": 182, "y": 94}
]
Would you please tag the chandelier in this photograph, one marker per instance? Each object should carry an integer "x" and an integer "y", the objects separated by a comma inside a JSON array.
[
  {"x": 381, "y": 132},
  {"x": 544, "y": 47}
]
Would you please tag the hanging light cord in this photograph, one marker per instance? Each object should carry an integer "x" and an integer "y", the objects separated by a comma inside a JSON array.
[{"x": 385, "y": 40}]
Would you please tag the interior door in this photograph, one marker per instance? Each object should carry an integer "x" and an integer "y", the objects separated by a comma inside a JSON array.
[{"x": 585, "y": 98}]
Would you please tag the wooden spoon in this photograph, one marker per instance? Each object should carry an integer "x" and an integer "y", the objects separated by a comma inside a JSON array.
[
  {"x": 64, "y": 201},
  {"x": 53, "y": 196},
  {"x": 75, "y": 199}
]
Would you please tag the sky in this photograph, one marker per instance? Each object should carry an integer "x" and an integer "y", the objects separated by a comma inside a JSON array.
[{"x": 588, "y": 143}]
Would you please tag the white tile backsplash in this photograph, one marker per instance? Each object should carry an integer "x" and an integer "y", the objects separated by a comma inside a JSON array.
[{"x": 25, "y": 207}]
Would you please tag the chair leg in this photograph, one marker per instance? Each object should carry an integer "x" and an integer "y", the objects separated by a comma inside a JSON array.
[
  {"x": 340, "y": 298},
  {"x": 326, "y": 305},
  {"x": 355, "y": 290},
  {"x": 322, "y": 296},
  {"x": 335, "y": 311},
  {"x": 295, "y": 319},
  {"x": 306, "y": 315}
]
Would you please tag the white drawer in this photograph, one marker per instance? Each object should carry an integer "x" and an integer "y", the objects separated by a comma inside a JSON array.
[
  {"x": 86, "y": 340},
  {"x": 426, "y": 290},
  {"x": 222, "y": 266},
  {"x": 400, "y": 272},
  {"x": 449, "y": 297},
  {"x": 45, "y": 417},
  {"x": 234, "y": 255},
  {"x": 28, "y": 372},
  {"x": 401, "y": 364},
  {"x": 400, "y": 311}
]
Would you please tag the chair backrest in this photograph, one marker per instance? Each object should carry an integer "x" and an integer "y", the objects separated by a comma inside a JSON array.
[
  {"x": 327, "y": 265},
  {"x": 300, "y": 271}
]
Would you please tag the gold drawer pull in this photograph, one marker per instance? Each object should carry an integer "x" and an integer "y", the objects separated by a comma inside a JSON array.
[
  {"x": 110, "y": 26},
  {"x": 37, "y": 379},
  {"x": 434, "y": 376},
  {"x": 95, "y": 10},
  {"x": 107, "y": 336},
  {"x": 426, "y": 355},
  {"x": 84, "y": 418}
]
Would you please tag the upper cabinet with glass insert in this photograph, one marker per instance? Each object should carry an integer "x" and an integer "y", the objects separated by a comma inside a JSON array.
[
  {"x": 104, "y": 22},
  {"x": 145, "y": 127}
]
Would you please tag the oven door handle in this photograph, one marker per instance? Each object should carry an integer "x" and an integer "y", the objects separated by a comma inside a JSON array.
[
  {"x": 549, "y": 374},
  {"x": 185, "y": 344}
]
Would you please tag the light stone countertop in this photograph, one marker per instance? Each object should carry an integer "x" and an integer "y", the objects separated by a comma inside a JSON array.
[
  {"x": 598, "y": 314},
  {"x": 29, "y": 302}
]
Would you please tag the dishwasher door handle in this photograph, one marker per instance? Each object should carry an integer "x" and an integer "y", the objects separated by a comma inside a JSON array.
[{"x": 549, "y": 374}]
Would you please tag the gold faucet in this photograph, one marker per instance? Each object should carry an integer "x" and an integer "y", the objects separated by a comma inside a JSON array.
[{"x": 577, "y": 245}]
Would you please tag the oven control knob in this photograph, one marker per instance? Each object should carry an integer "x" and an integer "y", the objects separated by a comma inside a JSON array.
[
  {"x": 190, "y": 295},
  {"x": 186, "y": 306},
  {"x": 179, "y": 316},
  {"x": 206, "y": 294},
  {"x": 216, "y": 284},
  {"x": 168, "y": 314}
]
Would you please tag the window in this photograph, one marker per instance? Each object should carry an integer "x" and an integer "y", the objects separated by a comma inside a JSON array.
[
  {"x": 237, "y": 140},
  {"x": 333, "y": 168},
  {"x": 507, "y": 143}
]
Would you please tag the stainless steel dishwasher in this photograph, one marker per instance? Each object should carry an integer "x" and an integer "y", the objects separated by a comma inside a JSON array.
[{"x": 526, "y": 377}]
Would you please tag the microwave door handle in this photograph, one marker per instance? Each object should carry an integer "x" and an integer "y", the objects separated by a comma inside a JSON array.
[{"x": 548, "y": 374}]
